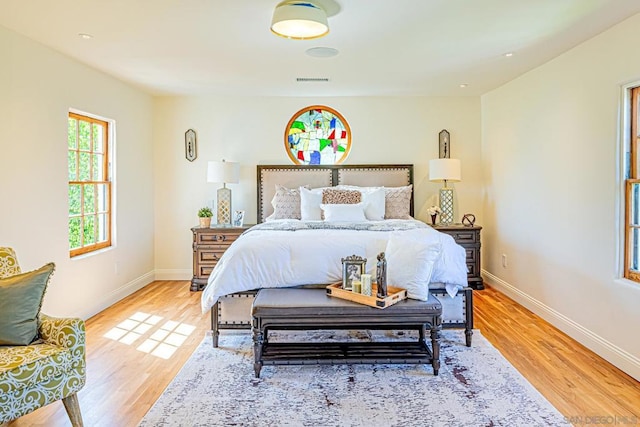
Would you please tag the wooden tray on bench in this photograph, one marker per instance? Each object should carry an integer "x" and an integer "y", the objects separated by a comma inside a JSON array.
[{"x": 394, "y": 295}]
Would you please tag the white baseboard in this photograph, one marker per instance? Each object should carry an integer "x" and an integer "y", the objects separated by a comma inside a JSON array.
[
  {"x": 117, "y": 294},
  {"x": 605, "y": 349},
  {"x": 174, "y": 274}
]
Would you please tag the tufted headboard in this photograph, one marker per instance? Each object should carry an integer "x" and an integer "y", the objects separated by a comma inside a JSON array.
[{"x": 293, "y": 176}]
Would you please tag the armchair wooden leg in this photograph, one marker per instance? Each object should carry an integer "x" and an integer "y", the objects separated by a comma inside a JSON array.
[{"x": 73, "y": 410}]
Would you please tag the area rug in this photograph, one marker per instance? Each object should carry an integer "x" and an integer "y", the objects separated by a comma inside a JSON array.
[{"x": 476, "y": 386}]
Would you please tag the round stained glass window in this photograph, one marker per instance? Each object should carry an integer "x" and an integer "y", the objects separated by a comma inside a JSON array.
[{"x": 317, "y": 135}]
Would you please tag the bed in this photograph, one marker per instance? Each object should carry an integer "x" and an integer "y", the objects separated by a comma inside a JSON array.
[{"x": 310, "y": 217}]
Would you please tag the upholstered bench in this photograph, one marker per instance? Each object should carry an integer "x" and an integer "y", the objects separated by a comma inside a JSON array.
[
  {"x": 313, "y": 309},
  {"x": 234, "y": 311},
  {"x": 457, "y": 312}
]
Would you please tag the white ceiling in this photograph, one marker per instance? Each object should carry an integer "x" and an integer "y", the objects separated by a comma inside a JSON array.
[{"x": 387, "y": 47}]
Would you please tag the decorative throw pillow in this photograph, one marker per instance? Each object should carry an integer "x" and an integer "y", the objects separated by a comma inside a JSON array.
[
  {"x": 332, "y": 196},
  {"x": 310, "y": 201},
  {"x": 410, "y": 262},
  {"x": 343, "y": 212},
  {"x": 20, "y": 301},
  {"x": 286, "y": 204},
  {"x": 397, "y": 203}
]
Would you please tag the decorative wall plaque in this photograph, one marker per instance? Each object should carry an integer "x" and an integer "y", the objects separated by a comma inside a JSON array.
[
  {"x": 445, "y": 144},
  {"x": 190, "y": 145}
]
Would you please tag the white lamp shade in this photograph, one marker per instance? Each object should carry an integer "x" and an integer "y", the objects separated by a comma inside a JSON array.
[
  {"x": 299, "y": 20},
  {"x": 225, "y": 172},
  {"x": 444, "y": 170}
]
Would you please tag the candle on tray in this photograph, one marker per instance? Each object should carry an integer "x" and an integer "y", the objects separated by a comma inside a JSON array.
[
  {"x": 356, "y": 286},
  {"x": 366, "y": 284}
]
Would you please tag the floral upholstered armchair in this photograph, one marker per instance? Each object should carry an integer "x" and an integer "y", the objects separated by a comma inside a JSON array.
[{"x": 51, "y": 367}]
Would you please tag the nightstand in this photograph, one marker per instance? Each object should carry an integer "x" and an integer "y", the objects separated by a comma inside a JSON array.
[
  {"x": 469, "y": 239},
  {"x": 208, "y": 246}
]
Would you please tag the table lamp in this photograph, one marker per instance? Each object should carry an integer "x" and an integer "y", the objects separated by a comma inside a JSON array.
[
  {"x": 226, "y": 173},
  {"x": 445, "y": 170}
]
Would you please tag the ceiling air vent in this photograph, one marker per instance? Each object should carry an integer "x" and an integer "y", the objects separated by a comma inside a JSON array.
[{"x": 312, "y": 79}]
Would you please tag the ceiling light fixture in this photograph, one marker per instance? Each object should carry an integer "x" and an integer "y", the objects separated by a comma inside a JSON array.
[
  {"x": 463, "y": 85},
  {"x": 300, "y": 20},
  {"x": 508, "y": 54},
  {"x": 85, "y": 36}
]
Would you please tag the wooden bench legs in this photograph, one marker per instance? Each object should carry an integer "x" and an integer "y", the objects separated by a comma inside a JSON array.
[
  {"x": 215, "y": 328},
  {"x": 258, "y": 343}
]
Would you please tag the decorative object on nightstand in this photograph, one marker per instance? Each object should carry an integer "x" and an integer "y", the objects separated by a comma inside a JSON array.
[
  {"x": 433, "y": 211},
  {"x": 445, "y": 170},
  {"x": 469, "y": 238},
  {"x": 226, "y": 173},
  {"x": 190, "y": 145},
  {"x": 238, "y": 218},
  {"x": 208, "y": 246},
  {"x": 204, "y": 215},
  {"x": 468, "y": 220}
]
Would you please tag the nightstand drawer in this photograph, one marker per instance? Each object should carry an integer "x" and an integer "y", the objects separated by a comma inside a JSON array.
[
  {"x": 471, "y": 270},
  {"x": 206, "y": 269},
  {"x": 472, "y": 254},
  {"x": 462, "y": 237},
  {"x": 209, "y": 256},
  {"x": 220, "y": 238}
]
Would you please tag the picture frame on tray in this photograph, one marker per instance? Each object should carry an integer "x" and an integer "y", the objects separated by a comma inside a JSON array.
[{"x": 353, "y": 267}]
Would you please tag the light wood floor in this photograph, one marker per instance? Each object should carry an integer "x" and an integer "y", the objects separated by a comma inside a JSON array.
[{"x": 123, "y": 381}]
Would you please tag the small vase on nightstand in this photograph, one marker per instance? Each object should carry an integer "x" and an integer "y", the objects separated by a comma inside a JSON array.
[{"x": 433, "y": 219}]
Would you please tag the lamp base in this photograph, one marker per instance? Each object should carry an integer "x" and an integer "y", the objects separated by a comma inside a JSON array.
[
  {"x": 224, "y": 206},
  {"x": 446, "y": 206}
]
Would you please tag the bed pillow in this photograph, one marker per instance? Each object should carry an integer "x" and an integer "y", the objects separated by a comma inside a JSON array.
[
  {"x": 310, "y": 201},
  {"x": 20, "y": 301},
  {"x": 374, "y": 204},
  {"x": 333, "y": 196},
  {"x": 373, "y": 198},
  {"x": 286, "y": 204},
  {"x": 397, "y": 202},
  {"x": 410, "y": 263},
  {"x": 343, "y": 212}
]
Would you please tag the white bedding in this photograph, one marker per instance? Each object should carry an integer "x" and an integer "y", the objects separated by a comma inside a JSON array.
[{"x": 288, "y": 253}]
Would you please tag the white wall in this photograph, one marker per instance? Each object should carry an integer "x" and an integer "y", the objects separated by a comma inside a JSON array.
[
  {"x": 550, "y": 150},
  {"x": 250, "y": 130},
  {"x": 38, "y": 86}
]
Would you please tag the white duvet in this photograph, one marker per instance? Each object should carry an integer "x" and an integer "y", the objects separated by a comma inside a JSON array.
[{"x": 288, "y": 253}]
